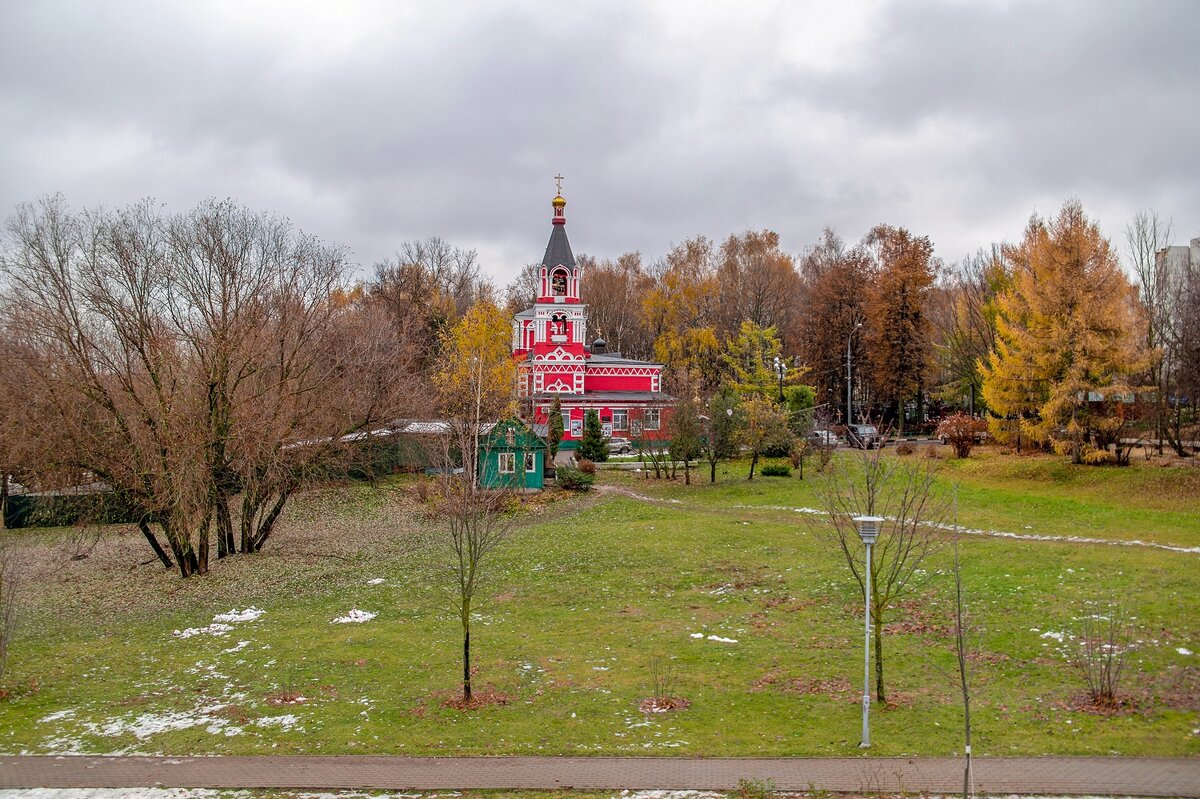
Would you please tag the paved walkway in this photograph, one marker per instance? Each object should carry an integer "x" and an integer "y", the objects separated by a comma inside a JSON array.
[{"x": 1125, "y": 776}]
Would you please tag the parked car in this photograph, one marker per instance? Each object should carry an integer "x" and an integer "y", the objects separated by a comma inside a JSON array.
[
  {"x": 619, "y": 446},
  {"x": 823, "y": 438},
  {"x": 862, "y": 436}
]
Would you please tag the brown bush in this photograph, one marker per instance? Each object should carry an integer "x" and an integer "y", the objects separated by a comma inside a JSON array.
[
  {"x": 961, "y": 432},
  {"x": 933, "y": 452},
  {"x": 904, "y": 448},
  {"x": 586, "y": 466}
]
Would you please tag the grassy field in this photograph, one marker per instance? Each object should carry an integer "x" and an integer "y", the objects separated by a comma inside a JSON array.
[{"x": 589, "y": 594}]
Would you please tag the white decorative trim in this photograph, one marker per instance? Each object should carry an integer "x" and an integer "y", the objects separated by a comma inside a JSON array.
[{"x": 624, "y": 371}]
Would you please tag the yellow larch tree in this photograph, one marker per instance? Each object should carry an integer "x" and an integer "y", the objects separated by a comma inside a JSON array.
[{"x": 1066, "y": 334}]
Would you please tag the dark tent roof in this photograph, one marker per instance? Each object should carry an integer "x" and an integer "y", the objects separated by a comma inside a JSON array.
[{"x": 558, "y": 251}]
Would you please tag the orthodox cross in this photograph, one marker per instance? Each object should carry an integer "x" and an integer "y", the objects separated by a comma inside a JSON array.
[{"x": 558, "y": 179}]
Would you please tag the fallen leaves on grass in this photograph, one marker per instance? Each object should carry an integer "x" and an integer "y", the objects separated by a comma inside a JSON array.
[
  {"x": 837, "y": 687},
  {"x": 663, "y": 704},
  {"x": 479, "y": 699}
]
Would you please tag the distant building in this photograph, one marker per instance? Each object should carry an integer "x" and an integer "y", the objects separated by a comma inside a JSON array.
[
  {"x": 553, "y": 358},
  {"x": 512, "y": 455},
  {"x": 1181, "y": 257}
]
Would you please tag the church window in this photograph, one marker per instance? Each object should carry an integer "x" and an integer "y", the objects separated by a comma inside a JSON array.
[
  {"x": 559, "y": 283},
  {"x": 507, "y": 462},
  {"x": 566, "y": 420},
  {"x": 620, "y": 420},
  {"x": 652, "y": 418}
]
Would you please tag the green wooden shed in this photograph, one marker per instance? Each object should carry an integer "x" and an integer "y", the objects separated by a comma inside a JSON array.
[{"x": 512, "y": 455}]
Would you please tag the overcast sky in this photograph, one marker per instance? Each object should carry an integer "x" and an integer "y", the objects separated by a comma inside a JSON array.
[{"x": 373, "y": 123}]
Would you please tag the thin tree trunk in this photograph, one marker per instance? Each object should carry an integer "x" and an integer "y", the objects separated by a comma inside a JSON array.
[
  {"x": 268, "y": 524},
  {"x": 225, "y": 543},
  {"x": 877, "y": 629},
  {"x": 753, "y": 463},
  {"x": 712, "y": 471},
  {"x": 3, "y": 499},
  {"x": 466, "y": 673},
  {"x": 202, "y": 560},
  {"x": 157, "y": 547}
]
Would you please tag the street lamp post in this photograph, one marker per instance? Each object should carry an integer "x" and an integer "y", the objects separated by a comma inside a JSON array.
[
  {"x": 780, "y": 370},
  {"x": 868, "y": 531},
  {"x": 849, "y": 402}
]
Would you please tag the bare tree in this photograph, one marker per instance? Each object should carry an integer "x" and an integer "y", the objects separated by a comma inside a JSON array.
[
  {"x": 191, "y": 362},
  {"x": 477, "y": 521},
  {"x": 1145, "y": 237},
  {"x": 1100, "y": 651},
  {"x": 903, "y": 492},
  {"x": 9, "y": 582}
]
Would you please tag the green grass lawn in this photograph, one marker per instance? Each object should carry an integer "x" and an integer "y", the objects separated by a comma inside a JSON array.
[{"x": 588, "y": 595}]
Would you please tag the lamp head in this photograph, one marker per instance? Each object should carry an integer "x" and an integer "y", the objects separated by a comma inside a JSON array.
[{"x": 868, "y": 527}]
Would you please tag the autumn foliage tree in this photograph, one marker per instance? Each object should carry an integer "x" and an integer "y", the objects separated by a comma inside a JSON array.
[
  {"x": 764, "y": 426},
  {"x": 1068, "y": 330},
  {"x": 898, "y": 328},
  {"x": 832, "y": 301}
]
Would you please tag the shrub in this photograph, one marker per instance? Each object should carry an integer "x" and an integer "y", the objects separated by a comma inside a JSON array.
[
  {"x": 586, "y": 466},
  {"x": 961, "y": 432},
  {"x": 905, "y": 448},
  {"x": 933, "y": 452},
  {"x": 776, "y": 470},
  {"x": 1097, "y": 457},
  {"x": 1099, "y": 654},
  {"x": 573, "y": 479}
]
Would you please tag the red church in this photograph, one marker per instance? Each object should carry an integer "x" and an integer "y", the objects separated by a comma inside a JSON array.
[{"x": 554, "y": 358}]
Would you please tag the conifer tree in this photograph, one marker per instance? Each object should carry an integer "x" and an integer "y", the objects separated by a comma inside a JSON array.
[
  {"x": 555, "y": 428},
  {"x": 1067, "y": 332},
  {"x": 593, "y": 446}
]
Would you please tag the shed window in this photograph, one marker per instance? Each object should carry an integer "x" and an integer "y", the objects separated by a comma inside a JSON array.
[
  {"x": 510, "y": 437},
  {"x": 530, "y": 462},
  {"x": 508, "y": 462},
  {"x": 652, "y": 418}
]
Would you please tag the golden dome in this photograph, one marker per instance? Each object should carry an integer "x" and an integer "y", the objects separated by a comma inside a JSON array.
[{"x": 558, "y": 201}]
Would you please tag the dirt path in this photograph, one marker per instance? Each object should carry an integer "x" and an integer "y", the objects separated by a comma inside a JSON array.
[{"x": 1061, "y": 539}]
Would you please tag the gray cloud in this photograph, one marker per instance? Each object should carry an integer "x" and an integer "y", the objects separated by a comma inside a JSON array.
[{"x": 370, "y": 125}]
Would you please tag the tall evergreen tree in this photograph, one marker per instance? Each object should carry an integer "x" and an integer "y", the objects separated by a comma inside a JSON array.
[
  {"x": 556, "y": 431},
  {"x": 593, "y": 446}
]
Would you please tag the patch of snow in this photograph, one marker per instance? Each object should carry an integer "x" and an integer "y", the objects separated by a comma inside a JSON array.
[
  {"x": 355, "y": 616},
  {"x": 375, "y": 581},
  {"x": 235, "y": 616},
  {"x": 239, "y": 646},
  {"x": 1072, "y": 539},
  {"x": 722, "y": 640},
  {"x": 1051, "y": 634},
  {"x": 212, "y": 629},
  {"x": 69, "y": 712},
  {"x": 599, "y": 668},
  {"x": 1181, "y": 650},
  {"x": 697, "y": 635},
  {"x": 288, "y": 722},
  {"x": 147, "y": 724},
  {"x": 222, "y": 623}
]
